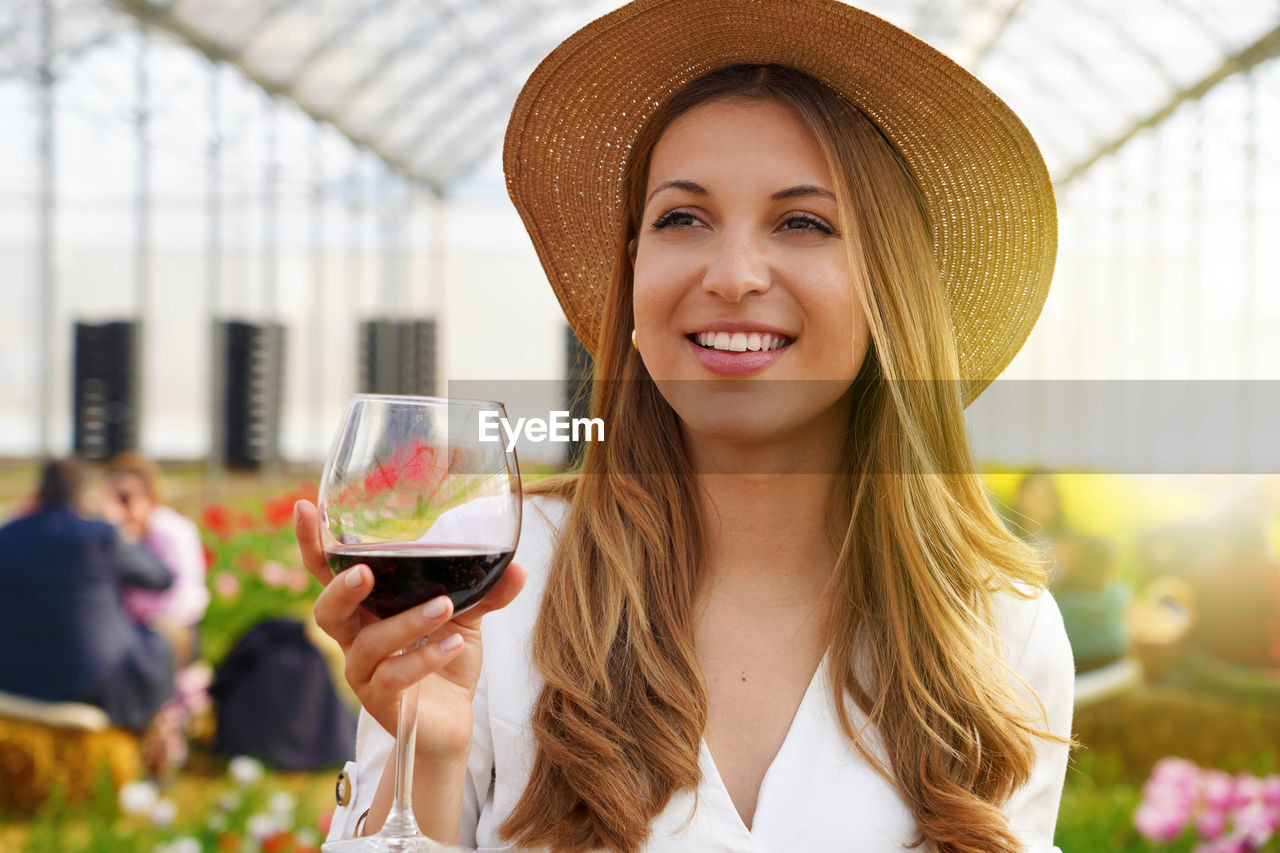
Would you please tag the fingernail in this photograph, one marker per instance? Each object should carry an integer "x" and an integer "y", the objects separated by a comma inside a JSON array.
[
  {"x": 450, "y": 642},
  {"x": 354, "y": 577},
  {"x": 436, "y": 607},
  {"x": 297, "y": 512}
]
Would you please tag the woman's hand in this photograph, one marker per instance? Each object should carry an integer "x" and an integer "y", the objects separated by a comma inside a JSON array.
[{"x": 447, "y": 668}]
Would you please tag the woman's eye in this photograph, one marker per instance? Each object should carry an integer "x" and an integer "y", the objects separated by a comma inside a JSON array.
[
  {"x": 678, "y": 218},
  {"x": 807, "y": 222}
]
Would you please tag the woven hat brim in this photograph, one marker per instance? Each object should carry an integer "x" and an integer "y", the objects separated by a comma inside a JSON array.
[{"x": 985, "y": 184}]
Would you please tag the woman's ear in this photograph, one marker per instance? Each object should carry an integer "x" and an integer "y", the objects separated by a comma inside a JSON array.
[{"x": 631, "y": 250}]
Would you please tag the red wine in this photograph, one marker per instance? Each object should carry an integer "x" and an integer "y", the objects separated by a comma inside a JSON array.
[{"x": 409, "y": 573}]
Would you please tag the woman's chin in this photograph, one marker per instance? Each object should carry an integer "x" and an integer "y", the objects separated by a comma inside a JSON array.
[{"x": 761, "y": 427}]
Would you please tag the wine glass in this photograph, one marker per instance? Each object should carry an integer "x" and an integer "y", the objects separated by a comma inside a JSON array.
[{"x": 412, "y": 491}]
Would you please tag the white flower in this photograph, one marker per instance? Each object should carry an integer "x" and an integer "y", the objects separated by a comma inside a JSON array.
[
  {"x": 281, "y": 804},
  {"x": 184, "y": 844},
  {"x": 245, "y": 770},
  {"x": 229, "y": 801},
  {"x": 163, "y": 813},
  {"x": 216, "y": 822},
  {"x": 307, "y": 837},
  {"x": 262, "y": 826},
  {"x": 138, "y": 798}
]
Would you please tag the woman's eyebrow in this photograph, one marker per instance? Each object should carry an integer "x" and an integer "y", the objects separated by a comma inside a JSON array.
[
  {"x": 804, "y": 190},
  {"x": 789, "y": 192},
  {"x": 688, "y": 186}
]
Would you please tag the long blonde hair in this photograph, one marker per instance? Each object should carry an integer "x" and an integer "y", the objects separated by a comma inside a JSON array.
[{"x": 620, "y": 718}]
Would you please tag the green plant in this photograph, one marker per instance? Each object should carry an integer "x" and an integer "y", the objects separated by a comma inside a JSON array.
[
  {"x": 249, "y": 811},
  {"x": 254, "y": 572}
]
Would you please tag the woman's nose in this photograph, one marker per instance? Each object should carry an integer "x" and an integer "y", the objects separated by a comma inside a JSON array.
[{"x": 737, "y": 267}]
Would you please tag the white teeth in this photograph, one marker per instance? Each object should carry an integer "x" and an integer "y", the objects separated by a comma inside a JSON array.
[{"x": 741, "y": 341}]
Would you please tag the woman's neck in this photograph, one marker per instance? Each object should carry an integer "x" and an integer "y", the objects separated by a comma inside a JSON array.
[
  {"x": 767, "y": 522},
  {"x": 767, "y": 536}
]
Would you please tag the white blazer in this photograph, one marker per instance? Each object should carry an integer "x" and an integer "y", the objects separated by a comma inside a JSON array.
[{"x": 819, "y": 794}]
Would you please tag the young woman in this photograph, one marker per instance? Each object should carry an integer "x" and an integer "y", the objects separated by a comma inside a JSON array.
[{"x": 775, "y": 610}]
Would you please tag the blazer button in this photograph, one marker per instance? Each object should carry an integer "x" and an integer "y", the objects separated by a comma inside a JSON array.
[{"x": 342, "y": 790}]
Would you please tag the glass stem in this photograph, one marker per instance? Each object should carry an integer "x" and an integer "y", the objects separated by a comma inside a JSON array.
[{"x": 400, "y": 820}]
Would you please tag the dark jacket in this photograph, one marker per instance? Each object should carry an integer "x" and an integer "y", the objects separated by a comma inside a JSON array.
[
  {"x": 277, "y": 702},
  {"x": 69, "y": 638}
]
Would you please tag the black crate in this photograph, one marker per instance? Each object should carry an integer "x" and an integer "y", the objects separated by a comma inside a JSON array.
[
  {"x": 397, "y": 357},
  {"x": 105, "y": 389},
  {"x": 579, "y": 367},
  {"x": 253, "y": 387}
]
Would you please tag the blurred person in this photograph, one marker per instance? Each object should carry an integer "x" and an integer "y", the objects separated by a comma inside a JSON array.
[
  {"x": 134, "y": 500},
  {"x": 1092, "y": 600},
  {"x": 1037, "y": 518},
  {"x": 1238, "y": 593},
  {"x": 70, "y": 638}
]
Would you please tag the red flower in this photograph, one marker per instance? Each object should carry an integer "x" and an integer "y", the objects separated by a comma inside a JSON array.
[
  {"x": 217, "y": 519},
  {"x": 381, "y": 479},
  {"x": 230, "y": 841},
  {"x": 415, "y": 461},
  {"x": 245, "y": 520},
  {"x": 249, "y": 562},
  {"x": 278, "y": 843},
  {"x": 278, "y": 512},
  {"x": 209, "y": 556}
]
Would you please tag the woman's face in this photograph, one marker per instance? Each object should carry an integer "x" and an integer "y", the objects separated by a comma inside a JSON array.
[{"x": 745, "y": 312}]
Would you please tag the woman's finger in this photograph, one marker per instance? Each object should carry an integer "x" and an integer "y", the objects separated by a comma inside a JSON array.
[
  {"x": 503, "y": 594},
  {"x": 337, "y": 607},
  {"x": 392, "y": 675},
  {"x": 380, "y": 640},
  {"x": 306, "y": 527}
]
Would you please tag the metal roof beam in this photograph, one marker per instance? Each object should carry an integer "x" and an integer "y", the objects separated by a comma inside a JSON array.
[
  {"x": 437, "y": 72},
  {"x": 395, "y": 108},
  {"x": 1265, "y": 48},
  {"x": 402, "y": 49},
  {"x": 997, "y": 13},
  {"x": 338, "y": 36},
  {"x": 505, "y": 99},
  {"x": 252, "y": 28},
  {"x": 385, "y": 62},
  {"x": 215, "y": 52},
  {"x": 1138, "y": 47}
]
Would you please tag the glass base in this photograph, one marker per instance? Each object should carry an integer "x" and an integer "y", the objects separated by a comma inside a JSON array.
[{"x": 377, "y": 844}]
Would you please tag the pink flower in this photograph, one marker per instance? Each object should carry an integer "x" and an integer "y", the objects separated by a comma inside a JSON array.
[
  {"x": 1271, "y": 791},
  {"x": 1211, "y": 822},
  {"x": 274, "y": 574},
  {"x": 1256, "y": 823},
  {"x": 1177, "y": 772},
  {"x": 226, "y": 585},
  {"x": 1218, "y": 789},
  {"x": 1223, "y": 845},
  {"x": 1160, "y": 820},
  {"x": 1247, "y": 789}
]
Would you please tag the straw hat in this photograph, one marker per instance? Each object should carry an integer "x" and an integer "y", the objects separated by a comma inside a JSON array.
[{"x": 985, "y": 184}]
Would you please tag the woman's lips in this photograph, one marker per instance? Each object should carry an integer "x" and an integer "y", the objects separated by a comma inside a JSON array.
[{"x": 735, "y": 363}]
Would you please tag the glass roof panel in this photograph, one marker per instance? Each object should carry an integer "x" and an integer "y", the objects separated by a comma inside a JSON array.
[{"x": 426, "y": 84}]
